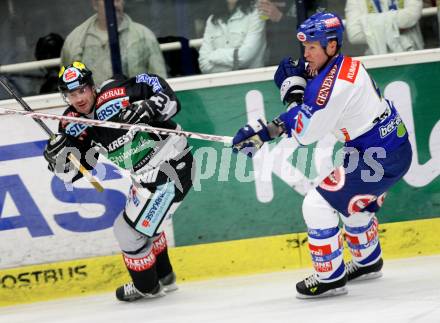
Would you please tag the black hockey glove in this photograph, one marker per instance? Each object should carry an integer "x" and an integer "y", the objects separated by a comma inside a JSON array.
[
  {"x": 137, "y": 112},
  {"x": 54, "y": 149}
]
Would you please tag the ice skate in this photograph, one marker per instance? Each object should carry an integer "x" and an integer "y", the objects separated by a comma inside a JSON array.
[
  {"x": 169, "y": 282},
  {"x": 311, "y": 287},
  {"x": 129, "y": 293},
  {"x": 358, "y": 273}
]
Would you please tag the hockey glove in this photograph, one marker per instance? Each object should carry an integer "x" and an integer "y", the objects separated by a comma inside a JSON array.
[
  {"x": 137, "y": 112},
  {"x": 54, "y": 149},
  {"x": 290, "y": 77},
  {"x": 251, "y": 137}
]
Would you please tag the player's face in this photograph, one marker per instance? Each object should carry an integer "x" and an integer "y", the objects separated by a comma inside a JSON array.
[
  {"x": 315, "y": 55},
  {"x": 82, "y": 99}
]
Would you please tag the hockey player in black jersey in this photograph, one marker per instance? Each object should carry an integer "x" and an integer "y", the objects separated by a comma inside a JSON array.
[{"x": 160, "y": 166}]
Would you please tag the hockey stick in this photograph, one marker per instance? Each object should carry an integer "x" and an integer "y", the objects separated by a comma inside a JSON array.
[
  {"x": 4, "y": 82},
  {"x": 37, "y": 116}
]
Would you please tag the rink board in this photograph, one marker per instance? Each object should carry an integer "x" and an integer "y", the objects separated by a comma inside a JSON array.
[
  {"x": 61, "y": 243},
  {"x": 213, "y": 260},
  {"x": 233, "y": 197}
]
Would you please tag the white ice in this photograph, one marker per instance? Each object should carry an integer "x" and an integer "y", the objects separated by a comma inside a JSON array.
[{"x": 409, "y": 291}]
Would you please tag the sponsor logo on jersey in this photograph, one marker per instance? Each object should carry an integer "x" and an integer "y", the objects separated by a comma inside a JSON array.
[
  {"x": 332, "y": 22},
  {"x": 326, "y": 87},
  {"x": 349, "y": 69},
  {"x": 111, "y": 108},
  {"x": 125, "y": 138},
  {"x": 335, "y": 181},
  {"x": 140, "y": 264},
  {"x": 71, "y": 74},
  {"x": 75, "y": 129},
  {"x": 152, "y": 81},
  {"x": 360, "y": 202},
  {"x": 301, "y": 36},
  {"x": 117, "y": 92},
  {"x": 390, "y": 126}
]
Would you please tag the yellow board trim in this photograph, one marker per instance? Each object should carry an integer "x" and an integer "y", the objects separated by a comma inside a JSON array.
[{"x": 239, "y": 257}]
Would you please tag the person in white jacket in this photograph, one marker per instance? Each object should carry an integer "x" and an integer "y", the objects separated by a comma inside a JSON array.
[
  {"x": 386, "y": 26},
  {"x": 234, "y": 38}
]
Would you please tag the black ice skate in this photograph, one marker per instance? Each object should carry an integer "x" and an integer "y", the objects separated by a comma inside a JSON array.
[
  {"x": 129, "y": 293},
  {"x": 312, "y": 288},
  {"x": 169, "y": 282},
  {"x": 355, "y": 272}
]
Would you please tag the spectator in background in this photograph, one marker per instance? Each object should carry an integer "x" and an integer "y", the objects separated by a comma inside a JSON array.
[
  {"x": 281, "y": 20},
  {"x": 48, "y": 47},
  {"x": 386, "y": 26},
  {"x": 234, "y": 38},
  {"x": 89, "y": 43}
]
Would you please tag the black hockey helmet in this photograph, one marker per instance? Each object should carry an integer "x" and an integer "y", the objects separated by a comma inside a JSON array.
[{"x": 74, "y": 76}]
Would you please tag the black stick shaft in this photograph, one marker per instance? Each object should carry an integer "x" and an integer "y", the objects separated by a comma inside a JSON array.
[{"x": 9, "y": 89}]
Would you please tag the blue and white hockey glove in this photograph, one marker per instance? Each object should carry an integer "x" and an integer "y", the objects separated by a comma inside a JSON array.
[
  {"x": 251, "y": 137},
  {"x": 290, "y": 77},
  {"x": 137, "y": 112}
]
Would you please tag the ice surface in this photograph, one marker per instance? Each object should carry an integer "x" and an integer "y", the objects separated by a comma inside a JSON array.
[{"x": 409, "y": 291}]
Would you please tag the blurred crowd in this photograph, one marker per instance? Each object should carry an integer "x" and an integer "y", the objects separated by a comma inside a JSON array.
[{"x": 226, "y": 35}]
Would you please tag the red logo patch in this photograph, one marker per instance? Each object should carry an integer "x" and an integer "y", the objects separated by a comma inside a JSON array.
[
  {"x": 360, "y": 202},
  {"x": 323, "y": 267},
  {"x": 140, "y": 264},
  {"x": 301, "y": 36},
  {"x": 335, "y": 181},
  {"x": 299, "y": 124},
  {"x": 349, "y": 69},
  {"x": 70, "y": 75},
  {"x": 160, "y": 244},
  {"x": 320, "y": 250},
  {"x": 332, "y": 22}
]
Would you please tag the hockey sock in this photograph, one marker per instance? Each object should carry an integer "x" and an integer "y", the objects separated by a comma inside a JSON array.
[
  {"x": 363, "y": 242},
  {"x": 142, "y": 269},
  {"x": 326, "y": 247},
  {"x": 160, "y": 250}
]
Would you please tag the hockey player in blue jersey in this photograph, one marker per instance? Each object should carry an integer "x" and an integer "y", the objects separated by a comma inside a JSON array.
[{"x": 328, "y": 92}]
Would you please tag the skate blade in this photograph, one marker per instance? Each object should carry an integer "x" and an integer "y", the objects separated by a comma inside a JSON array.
[
  {"x": 170, "y": 288},
  {"x": 332, "y": 292},
  {"x": 368, "y": 276}
]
